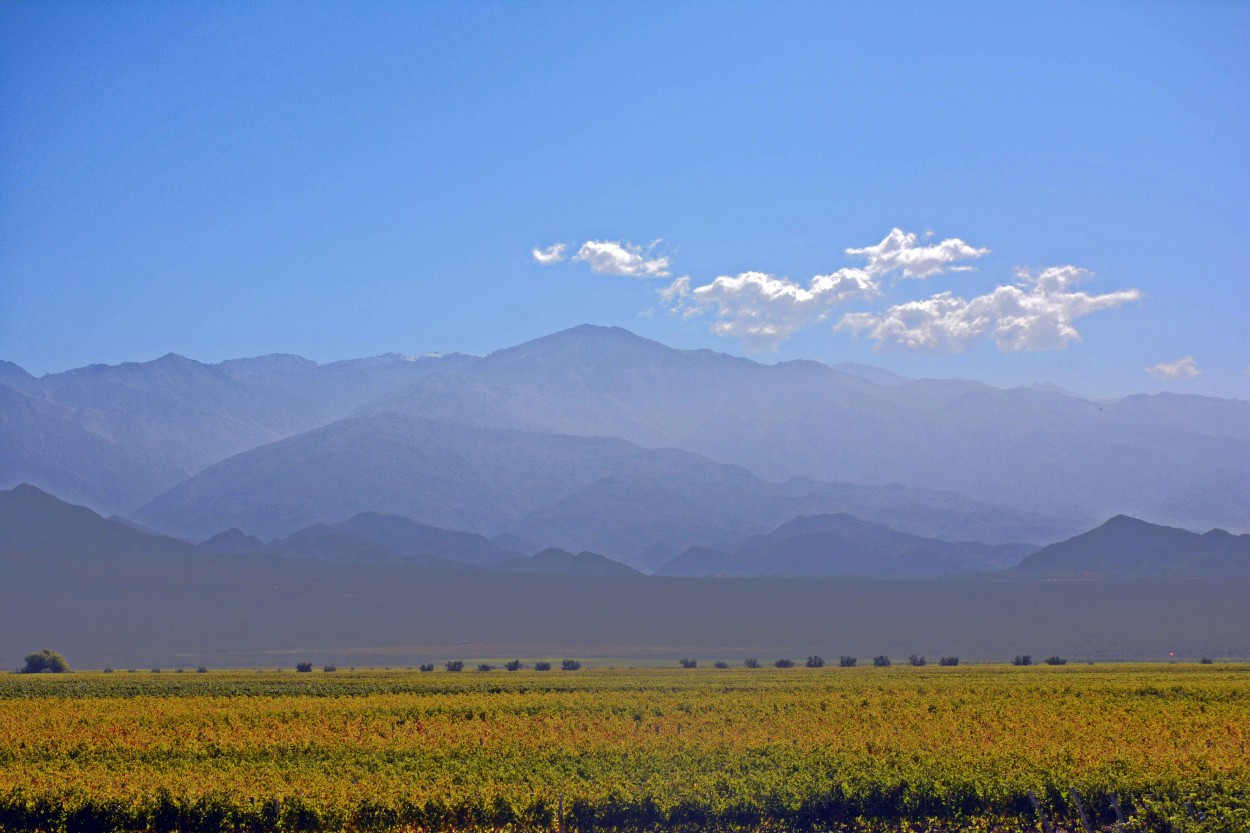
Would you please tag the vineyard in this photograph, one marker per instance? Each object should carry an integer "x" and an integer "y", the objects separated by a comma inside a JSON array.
[{"x": 846, "y": 749}]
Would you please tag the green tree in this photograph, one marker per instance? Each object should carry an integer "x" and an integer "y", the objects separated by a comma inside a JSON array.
[{"x": 45, "y": 661}]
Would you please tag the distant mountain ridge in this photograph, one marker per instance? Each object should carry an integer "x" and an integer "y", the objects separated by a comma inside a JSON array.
[
  {"x": 1125, "y": 546},
  {"x": 114, "y": 436},
  {"x": 562, "y": 562},
  {"x": 35, "y": 526},
  {"x": 1046, "y": 450},
  {"x": 641, "y": 506},
  {"x": 840, "y": 544},
  {"x": 122, "y": 437}
]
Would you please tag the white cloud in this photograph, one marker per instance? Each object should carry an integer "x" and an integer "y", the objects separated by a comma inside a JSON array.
[
  {"x": 764, "y": 310},
  {"x": 1185, "y": 368},
  {"x": 552, "y": 254},
  {"x": 608, "y": 257},
  {"x": 1035, "y": 313},
  {"x": 899, "y": 251}
]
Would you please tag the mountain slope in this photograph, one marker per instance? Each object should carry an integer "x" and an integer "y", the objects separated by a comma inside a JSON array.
[
  {"x": 46, "y": 444},
  {"x": 35, "y": 526},
  {"x": 1125, "y": 546},
  {"x": 839, "y": 544},
  {"x": 114, "y": 436},
  {"x": 1047, "y": 450},
  {"x": 232, "y": 541},
  {"x": 643, "y": 506},
  {"x": 410, "y": 539},
  {"x": 332, "y": 391},
  {"x": 561, "y": 562}
]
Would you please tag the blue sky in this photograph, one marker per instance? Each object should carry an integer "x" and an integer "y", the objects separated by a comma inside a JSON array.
[{"x": 339, "y": 180}]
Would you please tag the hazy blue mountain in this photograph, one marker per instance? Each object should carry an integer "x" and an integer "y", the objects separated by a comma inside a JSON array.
[
  {"x": 562, "y": 562},
  {"x": 108, "y": 595},
  {"x": 15, "y": 377},
  {"x": 872, "y": 373},
  {"x": 1200, "y": 414},
  {"x": 324, "y": 543},
  {"x": 233, "y": 541},
  {"x": 840, "y": 544},
  {"x": 46, "y": 444},
  {"x": 35, "y": 525},
  {"x": 1125, "y": 546},
  {"x": 1051, "y": 387},
  {"x": 411, "y": 539},
  {"x": 515, "y": 543},
  {"x": 114, "y": 436},
  {"x": 643, "y": 506},
  {"x": 1031, "y": 448},
  {"x": 334, "y": 390}
]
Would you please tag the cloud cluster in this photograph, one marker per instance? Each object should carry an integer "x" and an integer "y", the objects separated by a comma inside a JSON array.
[
  {"x": 899, "y": 251},
  {"x": 1035, "y": 313},
  {"x": 1185, "y": 368},
  {"x": 763, "y": 310},
  {"x": 609, "y": 257}
]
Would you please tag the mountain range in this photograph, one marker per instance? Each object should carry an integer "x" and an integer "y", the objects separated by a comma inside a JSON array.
[
  {"x": 107, "y": 594},
  {"x": 594, "y": 439},
  {"x": 1125, "y": 546},
  {"x": 37, "y": 528},
  {"x": 840, "y": 544}
]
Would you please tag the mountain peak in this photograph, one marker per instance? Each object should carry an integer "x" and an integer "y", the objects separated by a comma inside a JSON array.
[{"x": 1129, "y": 546}]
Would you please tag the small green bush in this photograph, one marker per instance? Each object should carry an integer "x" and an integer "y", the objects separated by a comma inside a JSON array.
[
  {"x": 454, "y": 665},
  {"x": 570, "y": 665},
  {"x": 815, "y": 661},
  {"x": 45, "y": 662},
  {"x": 847, "y": 662},
  {"x": 881, "y": 662},
  {"x": 688, "y": 663},
  {"x": 542, "y": 666},
  {"x": 751, "y": 662},
  {"x": 303, "y": 667},
  {"x": 784, "y": 663}
]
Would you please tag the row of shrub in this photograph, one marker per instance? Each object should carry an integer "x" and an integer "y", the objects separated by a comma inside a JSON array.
[
  {"x": 882, "y": 661},
  {"x": 843, "y": 807},
  {"x": 817, "y": 661}
]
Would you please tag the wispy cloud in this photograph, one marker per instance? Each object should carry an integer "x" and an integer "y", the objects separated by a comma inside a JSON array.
[
  {"x": 611, "y": 257},
  {"x": 1035, "y": 313},
  {"x": 552, "y": 254},
  {"x": 1185, "y": 368}
]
